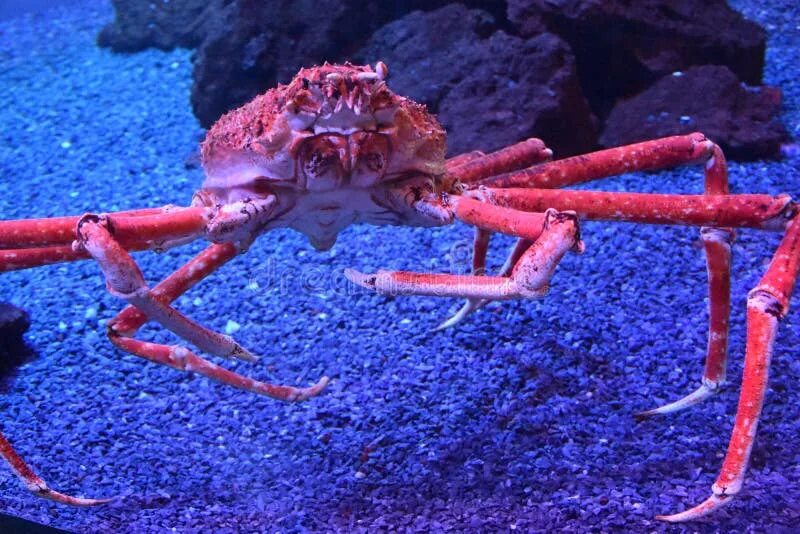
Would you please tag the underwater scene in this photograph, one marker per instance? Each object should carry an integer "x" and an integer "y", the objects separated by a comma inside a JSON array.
[{"x": 361, "y": 295}]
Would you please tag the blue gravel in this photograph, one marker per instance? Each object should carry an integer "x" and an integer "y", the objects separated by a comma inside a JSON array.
[{"x": 521, "y": 419}]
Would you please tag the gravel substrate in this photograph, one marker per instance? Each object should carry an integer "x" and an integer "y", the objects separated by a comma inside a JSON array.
[{"x": 519, "y": 419}]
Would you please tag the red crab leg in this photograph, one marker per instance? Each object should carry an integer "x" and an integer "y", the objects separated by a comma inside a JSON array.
[
  {"x": 25, "y": 258},
  {"x": 146, "y": 229},
  {"x": 455, "y": 161},
  {"x": 124, "y": 279},
  {"x": 529, "y": 279},
  {"x": 34, "y": 483},
  {"x": 717, "y": 245},
  {"x": 739, "y": 211},
  {"x": 647, "y": 156},
  {"x": 472, "y": 304},
  {"x": 652, "y": 155},
  {"x": 27, "y": 233},
  {"x": 767, "y": 303},
  {"x": 499, "y": 219},
  {"x": 517, "y": 156},
  {"x": 128, "y": 321}
]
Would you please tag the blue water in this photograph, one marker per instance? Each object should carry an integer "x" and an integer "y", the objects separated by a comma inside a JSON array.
[{"x": 521, "y": 418}]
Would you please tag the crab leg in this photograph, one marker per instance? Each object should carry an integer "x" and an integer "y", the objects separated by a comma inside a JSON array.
[
  {"x": 717, "y": 246},
  {"x": 124, "y": 279},
  {"x": 472, "y": 304},
  {"x": 47, "y": 241},
  {"x": 647, "y": 156},
  {"x": 652, "y": 155},
  {"x": 34, "y": 483},
  {"x": 738, "y": 211},
  {"x": 517, "y": 156},
  {"x": 529, "y": 279},
  {"x": 461, "y": 159},
  {"x": 28, "y": 233},
  {"x": 767, "y": 303}
]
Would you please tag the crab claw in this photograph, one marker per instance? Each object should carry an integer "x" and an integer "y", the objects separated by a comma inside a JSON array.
[{"x": 714, "y": 502}]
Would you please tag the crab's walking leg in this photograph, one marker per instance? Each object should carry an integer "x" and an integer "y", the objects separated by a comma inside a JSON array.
[
  {"x": 652, "y": 155},
  {"x": 472, "y": 305},
  {"x": 717, "y": 246},
  {"x": 38, "y": 242},
  {"x": 124, "y": 279},
  {"x": 529, "y": 279},
  {"x": 767, "y": 303},
  {"x": 480, "y": 248},
  {"x": 647, "y": 156},
  {"x": 473, "y": 167},
  {"x": 34, "y": 483}
]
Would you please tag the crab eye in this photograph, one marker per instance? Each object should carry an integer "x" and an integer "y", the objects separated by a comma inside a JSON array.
[{"x": 321, "y": 160}]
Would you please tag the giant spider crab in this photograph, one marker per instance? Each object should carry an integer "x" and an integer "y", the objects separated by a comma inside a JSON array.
[{"x": 336, "y": 146}]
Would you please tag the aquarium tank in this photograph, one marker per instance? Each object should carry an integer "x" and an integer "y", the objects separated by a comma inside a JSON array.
[{"x": 442, "y": 266}]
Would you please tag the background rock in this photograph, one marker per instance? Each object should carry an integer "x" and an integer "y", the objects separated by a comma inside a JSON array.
[
  {"x": 14, "y": 322},
  {"x": 622, "y": 46},
  {"x": 140, "y": 24},
  {"x": 489, "y": 89},
  {"x": 256, "y": 45},
  {"x": 740, "y": 118},
  {"x": 515, "y": 69}
]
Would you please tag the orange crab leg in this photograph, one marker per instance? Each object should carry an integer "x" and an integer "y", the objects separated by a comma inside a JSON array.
[
  {"x": 651, "y": 155},
  {"x": 647, "y": 156},
  {"x": 27, "y": 233},
  {"x": 124, "y": 279},
  {"x": 128, "y": 321},
  {"x": 25, "y": 258},
  {"x": 47, "y": 241},
  {"x": 36, "y": 484},
  {"x": 529, "y": 279},
  {"x": 767, "y": 303},
  {"x": 517, "y": 156},
  {"x": 499, "y": 219},
  {"x": 739, "y": 211},
  {"x": 473, "y": 304}
]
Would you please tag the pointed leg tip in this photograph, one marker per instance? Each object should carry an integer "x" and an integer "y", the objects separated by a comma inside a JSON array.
[
  {"x": 73, "y": 501},
  {"x": 447, "y": 323},
  {"x": 469, "y": 306},
  {"x": 313, "y": 391},
  {"x": 715, "y": 502},
  {"x": 699, "y": 395},
  {"x": 360, "y": 279}
]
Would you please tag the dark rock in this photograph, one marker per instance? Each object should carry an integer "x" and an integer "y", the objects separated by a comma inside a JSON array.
[
  {"x": 489, "y": 89},
  {"x": 622, "y": 46},
  {"x": 14, "y": 322},
  {"x": 743, "y": 120},
  {"x": 139, "y": 24},
  {"x": 255, "y": 45}
]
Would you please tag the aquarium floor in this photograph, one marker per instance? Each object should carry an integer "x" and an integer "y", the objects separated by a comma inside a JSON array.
[{"x": 520, "y": 419}]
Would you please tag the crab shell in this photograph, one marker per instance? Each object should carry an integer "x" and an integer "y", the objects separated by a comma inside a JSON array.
[{"x": 335, "y": 146}]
